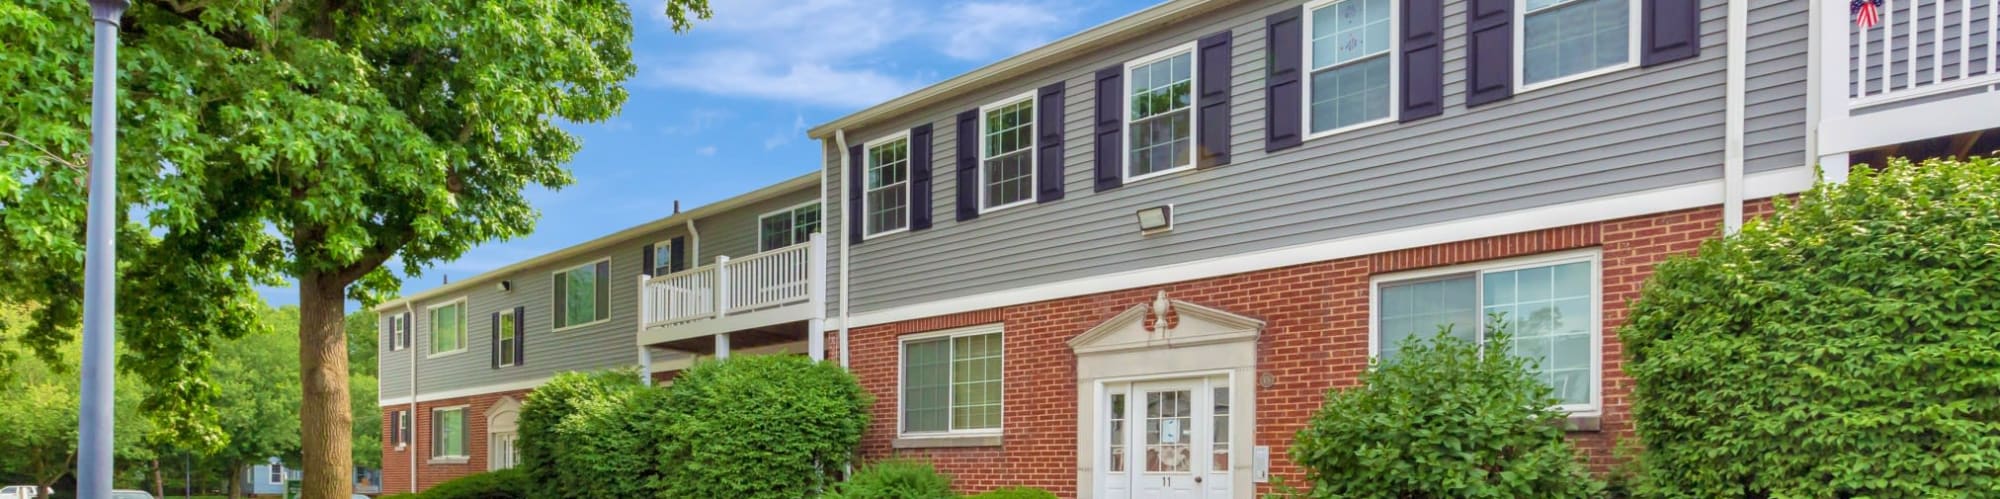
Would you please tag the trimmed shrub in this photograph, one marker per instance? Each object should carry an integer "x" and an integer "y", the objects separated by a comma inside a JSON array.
[
  {"x": 1845, "y": 347},
  {"x": 1015, "y": 493},
  {"x": 576, "y": 439},
  {"x": 1441, "y": 421},
  {"x": 895, "y": 479},
  {"x": 503, "y": 484},
  {"x": 770, "y": 426},
  {"x": 404, "y": 495}
]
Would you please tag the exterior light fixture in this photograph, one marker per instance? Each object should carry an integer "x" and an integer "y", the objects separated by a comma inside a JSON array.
[
  {"x": 1157, "y": 219},
  {"x": 504, "y": 285}
]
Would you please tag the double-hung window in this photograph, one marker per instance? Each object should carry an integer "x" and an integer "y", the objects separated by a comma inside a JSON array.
[
  {"x": 787, "y": 227},
  {"x": 1159, "y": 113},
  {"x": 508, "y": 336},
  {"x": 1548, "y": 305},
  {"x": 1353, "y": 69},
  {"x": 1006, "y": 153},
  {"x": 399, "y": 332},
  {"x": 399, "y": 430},
  {"x": 583, "y": 294},
  {"x": 277, "y": 474},
  {"x": 886, "y": 203},
  {"x": 951, "y": 382},
  {"x": 448, "y": 433},
  {"x": 1564, "y": 39},
  {"x": 448, "y": 328}
]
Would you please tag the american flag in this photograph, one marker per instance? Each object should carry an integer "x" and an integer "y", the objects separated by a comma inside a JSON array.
[{"x": 1867, "y": 13}]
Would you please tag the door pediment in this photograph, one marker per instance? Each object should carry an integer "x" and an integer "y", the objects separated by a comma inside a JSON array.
[{"x": 1174, "y": 323}]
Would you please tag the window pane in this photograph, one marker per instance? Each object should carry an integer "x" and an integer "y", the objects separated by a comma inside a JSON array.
[
  {"x": 1118, "y": 430},
  {"x": 1566, "y": 38},
  {"x": 1351, "y": 94},
  {"x": 1169, "y": 418},
  {"x": 926, "y": 379},
  {"x": 580, "y": 290},
  {"x": 1548, "y": 312},
  {"x": 1007, "y": 162},
  {"x": 1162, "y": 117},
  {"x": 805, "y": 223},
  {"x": 775, "y": 231},
  {"x": 975, "y": 384},
  {"x": 1420, "y": 308},
  {"x": 888, "y": 198},
  {"x": 1219, "y": 431},
  {"x": 507, "y": 339}
]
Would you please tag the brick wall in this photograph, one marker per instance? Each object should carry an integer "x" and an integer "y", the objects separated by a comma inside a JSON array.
[
  {"x": 1315, "y": 339},
  {"x": 396, "y": 464}
]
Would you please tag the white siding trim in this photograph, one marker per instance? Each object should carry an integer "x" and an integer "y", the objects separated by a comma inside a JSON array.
[{"x": 1695, "y": 195}]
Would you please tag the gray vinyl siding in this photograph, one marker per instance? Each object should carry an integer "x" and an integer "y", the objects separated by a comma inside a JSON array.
[
  {"x": 1629, "y": 131},
  {"x": 735, "y": 233},
  {"x": 392, "y": 365}
]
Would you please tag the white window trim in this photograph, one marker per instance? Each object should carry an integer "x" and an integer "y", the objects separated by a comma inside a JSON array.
[
  {"x": 902, "y": 346},
  {"x": 663, "y": 247},
  {"x": 274, "y": 474},
  {"x": 1395, "y": 71},
  {"x": 467, "y": 426},
  {"x": 506, "y": 315},
  {"x": 465, "y": 326},
  {"x": 792, "y": 212},
  {"x": 1593, "y": 255},
  {"x": 552, "y": 296},
  {"x": 1034, "y": 159},
  {"x": 909, "y": 175},
  {"x": 399, "y": 427},
  {"x": 1632, "y": 27},
  {"x": 1193, "y": 110},
  {"x": 399, "y": 329}
]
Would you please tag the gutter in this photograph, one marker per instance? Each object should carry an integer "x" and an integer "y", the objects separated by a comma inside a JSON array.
[{"x": 840, "y": 149}]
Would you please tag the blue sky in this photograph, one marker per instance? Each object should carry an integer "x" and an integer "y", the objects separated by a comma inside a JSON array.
[{"x": 723, "y": 109}]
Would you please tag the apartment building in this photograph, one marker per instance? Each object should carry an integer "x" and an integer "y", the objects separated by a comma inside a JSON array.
[{"x": 1131, "y": 262}]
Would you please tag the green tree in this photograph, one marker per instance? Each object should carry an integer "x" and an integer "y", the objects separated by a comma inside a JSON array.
[
  {"x": 38, "y": 414},
  {"x": 258, "y": 378},
  {"x": 314, "y": 140},
  {"x": 363, "y": 390},
  {"x": 1847, "y": 346}
]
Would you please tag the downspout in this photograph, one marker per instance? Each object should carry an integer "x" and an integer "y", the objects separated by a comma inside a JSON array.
[
  {"x": 820, "y": 330},
  {"x": 1733, "y": 116},
  {"x": 694, "y": 238},
  {"x": 411, "y": 447},
  {"x": 840, "y": 150}
]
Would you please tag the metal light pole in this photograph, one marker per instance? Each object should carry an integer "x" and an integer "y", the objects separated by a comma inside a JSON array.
[{"x": 93, "y": 463}]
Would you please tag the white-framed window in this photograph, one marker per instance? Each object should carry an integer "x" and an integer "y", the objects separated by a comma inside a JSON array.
[
  {"x": 399, "y": 430},
  {"x": 1159, "y": 113},
  {"x": 276, "y": 474},
  {"x": 1352, "y": 69},
  {"x": 1557, "y": 41},
  {"x": 582, "y": 294},
  {"x": 399, "y": 332},
  {"x": 448, "y": 433},
  {"x": 508, "y": 336},
  {"x": 886, "y": 200},
  {"x": 789, "y": 226},
  {"x": 1007, "y": 153},
  {"x": 447, "y": 327},
  {"x": 951, "y": 382},
  {"x": 1551, "y": 305}
]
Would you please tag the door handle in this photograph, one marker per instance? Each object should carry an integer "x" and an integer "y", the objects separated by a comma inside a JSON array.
[{"x": 1197, "y": 479}]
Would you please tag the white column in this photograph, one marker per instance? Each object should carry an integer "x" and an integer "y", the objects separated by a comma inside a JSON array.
[
  {"x": 721, "y": 286},
  {"x": 1833, "y": 168},
  {"x": 646, "y": 365},
  {"x": 816, "y": 288},
  {"x": 1829, "y": 106},
  {"x": 1733, "y": 112},
  {"x": 722, "y": 345}
]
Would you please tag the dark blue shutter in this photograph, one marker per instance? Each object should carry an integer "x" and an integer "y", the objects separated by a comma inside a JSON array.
[
  {"x": 920, "y": 177},
  {"x": 1284, "y": 89},
  {"x": 1049, "y": 144},
  {"x": 1212, "y": 57},
  {"x": 677, "y": 254},
  {"x": 646, "y": 263},
  {"x": 967, "y": 128},
  {"x": 1489, "y": 40},
  {"x": 1671, "y": 31},
  {"x": 603, "y": 290},
  {"x": 520, "y": 336},
  {"x": 856, "y": 222},
  {"x": 496, "y": 340},
  {"x": 1423, "y": 59},
  {"x": 1110, "y": 120}
]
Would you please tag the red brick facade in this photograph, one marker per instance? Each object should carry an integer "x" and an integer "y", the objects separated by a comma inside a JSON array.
[
  {"x": 1315, "y": 338},
  {"x": 396, "y": 463}
]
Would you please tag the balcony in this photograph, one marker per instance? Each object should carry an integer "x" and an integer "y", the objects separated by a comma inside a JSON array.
[
  {"x": 1929, "y": 70},
  {"x": 767, "y": 298}
]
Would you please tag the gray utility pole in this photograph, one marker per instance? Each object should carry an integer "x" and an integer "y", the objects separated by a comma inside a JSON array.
[{"x": 93, "y": 460}]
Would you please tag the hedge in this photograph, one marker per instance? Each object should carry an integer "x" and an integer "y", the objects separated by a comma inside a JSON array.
[
  {"x": 1015, "y": 493},
  {"x": 575, "y": 440},
  {"x": 503, "y": 484},
  {"x": 1846, "y": 347},
  {"x": 895, "y": 479},
  {"x": 751, "y": 427}
]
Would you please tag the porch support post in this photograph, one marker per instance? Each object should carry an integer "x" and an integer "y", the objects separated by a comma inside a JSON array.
[
  {"x": 722, "y": 345},
  {"x": 1827, "y": 107},
  {"x": 645, "y": 365},
  {"x": 721, "y": 286},
  {"x": 816, "y": 289},
  {"x": 645, "y": 313}
]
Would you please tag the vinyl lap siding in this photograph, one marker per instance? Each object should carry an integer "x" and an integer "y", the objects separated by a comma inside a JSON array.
[
  {"x": 1775, "y": 86},
  {"x": 1629, "y": 131},
  {"x": 393, "y": 367},
  {"x": 734, "y": 233}
]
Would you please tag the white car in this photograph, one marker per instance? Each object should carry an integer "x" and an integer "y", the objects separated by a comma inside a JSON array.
[
  {"x": 19, "y": 492},
  {"x": 131, "y": 494}
]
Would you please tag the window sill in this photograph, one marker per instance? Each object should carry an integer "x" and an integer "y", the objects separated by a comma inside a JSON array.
[
  {"x": 1583, "y": 423},
  {"x": 450, "y": 460},
  {"x": 1129, "y": 179},
  {"x": 445, "y": 354},
  {"x": 945, "y": 442},
  {"x": 573, "y": 327},
  {"x": 1523, "y": 87},
  {"x": 892, "y": 232}
]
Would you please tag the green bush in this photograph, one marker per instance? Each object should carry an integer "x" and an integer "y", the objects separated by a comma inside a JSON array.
[
  {"x": 1846, "y": 347},
  {"x": 503, "y": 484},
  {"x": 895, "y": 479},
  {"x": 1441, "y": 421},
  {"x": 1015, "y": 493},
  {"x": 576, "y": 438},
  {"x": 405, "y": 495},
  {"x": 751, "y": 427}
]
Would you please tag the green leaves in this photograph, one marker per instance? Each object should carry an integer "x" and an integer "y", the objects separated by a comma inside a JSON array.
[
  {"x": 895, "y": 479},
  {"x": 1846, "y": 347}
]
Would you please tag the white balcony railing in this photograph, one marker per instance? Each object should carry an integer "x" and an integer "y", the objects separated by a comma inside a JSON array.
[
  {"x": 1922, "y": 48},
  {"x": 775, "y": 278}
]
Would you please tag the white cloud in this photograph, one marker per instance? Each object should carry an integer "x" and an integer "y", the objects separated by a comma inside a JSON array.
[
  {"x": 782, "y": 137},
  {"x": 705, "y": 150},
  {"x": 752, "y": 74},
  {"x": 983, "y": 30}
]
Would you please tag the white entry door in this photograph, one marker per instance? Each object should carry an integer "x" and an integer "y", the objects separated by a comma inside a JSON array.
[
  {"x": 1177, "y": 432},
  {"x": 502, "y": 454}
]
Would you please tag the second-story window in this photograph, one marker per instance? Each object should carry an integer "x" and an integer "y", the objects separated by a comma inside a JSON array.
[
  {"x": 1352, "y": 72},
  {"x": 887, "y": 201},
  {"x": 448, "y": 328},
  {"x": 1570, "y": 38},
  {"x": 1006, "y": 153},
  {"x": 1160, "y": 114},
  {"x": 788, "y": 226},
  {"x": 399, "y": 332},
  {"x": 583, "y": 294},
  {"x": 508, "y": 335}
]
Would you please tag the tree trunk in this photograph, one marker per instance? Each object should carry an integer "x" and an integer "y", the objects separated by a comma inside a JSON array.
[
  {"x": 325, "y": 419},
  {"x": 235, "y": 487},
  {"x": 159, "y": 480}
]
